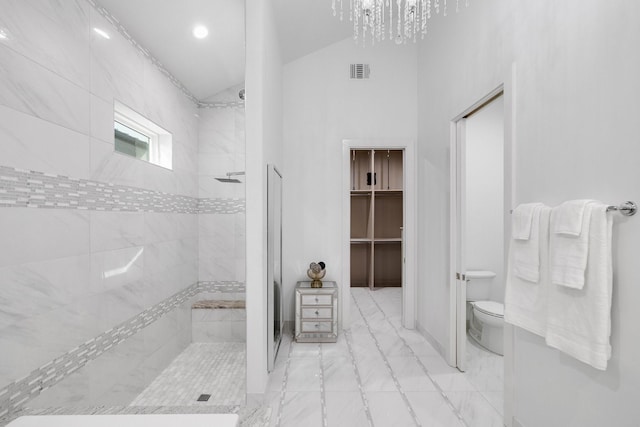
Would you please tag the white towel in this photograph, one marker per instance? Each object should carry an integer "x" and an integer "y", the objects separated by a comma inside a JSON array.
[
  {"x": 579, "y": 320},
  {"x": 569, "y": 248},
  {"x": 569, "y": 217},
  {"x": 521, "y": 220},
  {"x": 525, "y": 302},
  {"x": 526, "y": 252}
]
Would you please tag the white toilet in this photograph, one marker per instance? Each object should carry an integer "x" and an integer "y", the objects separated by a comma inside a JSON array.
[{"x": 486, "y": 323}]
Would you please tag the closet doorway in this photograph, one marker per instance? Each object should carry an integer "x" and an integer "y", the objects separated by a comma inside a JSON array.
[
  {"x": 377, "y": 206},
  {"x": 379, "y": 220}
]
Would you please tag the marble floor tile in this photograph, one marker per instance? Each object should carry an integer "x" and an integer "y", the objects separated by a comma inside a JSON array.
[
  {"x": 432, "y": 410},
  {"x": 338, "y": 349},
  {"x": 339, "y": 374},
  {"x": 301, "y": 409},
  {"x": 475, "y": 409},
  {"x": 496, "y": 399},
  {"x": 305, "y": 350},
  {"x": 303, "y": 374},
  {"x": 375, "y": 376},
  {"x": 388, "y": 409},
  {"x": 345, "y": 408},
  {"x": 453, "y": 382},
  {"x": 391, "y": 384},
  {"x": 410, "y": 374}
]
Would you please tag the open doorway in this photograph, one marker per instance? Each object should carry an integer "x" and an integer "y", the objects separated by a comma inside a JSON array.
[
  {"x": 479, "y": 206},
  {"x": 379, "y": 220}
]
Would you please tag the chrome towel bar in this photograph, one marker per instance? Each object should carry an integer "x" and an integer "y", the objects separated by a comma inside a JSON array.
[{"x": 627, "y": 208}]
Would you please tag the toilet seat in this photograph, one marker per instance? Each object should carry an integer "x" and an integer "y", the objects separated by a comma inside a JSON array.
[{"x": 490, "y": 308}]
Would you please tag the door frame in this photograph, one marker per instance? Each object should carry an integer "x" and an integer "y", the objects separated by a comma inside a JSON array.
[
  {"x": 409, "y": 223},
  {"x": 457, "y": 289}
]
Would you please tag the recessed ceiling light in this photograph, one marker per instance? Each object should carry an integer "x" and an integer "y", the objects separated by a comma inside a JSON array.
[
  {"x": 102, "y": 33},
  {"x": 200, "y": 31}
]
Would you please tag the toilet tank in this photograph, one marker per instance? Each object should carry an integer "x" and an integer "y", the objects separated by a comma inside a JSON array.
[{"x": 479, "y": 284}]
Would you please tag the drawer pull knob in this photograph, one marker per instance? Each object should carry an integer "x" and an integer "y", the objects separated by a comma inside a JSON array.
[
  {"x": 316, "y": 299},
  {"x": 317, "y": 325},
  {"x": 317, "y": 312}
]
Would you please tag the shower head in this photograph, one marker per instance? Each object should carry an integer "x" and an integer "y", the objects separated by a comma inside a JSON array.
[{"x": 228, "y": 179}]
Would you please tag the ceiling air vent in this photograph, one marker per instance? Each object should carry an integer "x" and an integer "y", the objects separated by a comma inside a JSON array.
[{"x": 359, "y": 71}]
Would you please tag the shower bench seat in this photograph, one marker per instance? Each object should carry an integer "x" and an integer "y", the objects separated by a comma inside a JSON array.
[
  {"x": 146, "y": 420},
  {"x": 218, "y": 320}
]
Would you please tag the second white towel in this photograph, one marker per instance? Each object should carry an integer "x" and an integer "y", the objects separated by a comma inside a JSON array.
[{"x": 579, "y": 320}]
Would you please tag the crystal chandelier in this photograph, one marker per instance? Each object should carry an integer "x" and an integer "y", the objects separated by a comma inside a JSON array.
[{"x": 376, "y": 17}]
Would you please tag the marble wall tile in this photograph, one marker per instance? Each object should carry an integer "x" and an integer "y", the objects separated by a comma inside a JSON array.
[
  {"x": 219, "y": 142},
  {"x": 157, "y": 178},
  {"x": 29, "y": 87},
  {"x": 116, "y": 268},
  {"x": 35, "y": 341},
  {"x": 34, "y": 288},
  {"x": 31, "y": 235},
  {"x": 109, "y": 166},
  {"x": 51, "y": 33},
  {"x": 116, "y": 66},
  {"x": 31, "y": 143},
  {"x": 116, "y": 230},
  {"x": 160, "y": 227},
  {"x": 102, "y": 114}
]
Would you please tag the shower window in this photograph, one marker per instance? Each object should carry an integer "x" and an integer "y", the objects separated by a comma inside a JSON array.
[
  {"x": 131, "y": 142},
  {"x": 139, "y": 137}
]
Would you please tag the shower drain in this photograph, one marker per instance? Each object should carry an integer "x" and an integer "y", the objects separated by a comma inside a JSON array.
[{"x": 204, "y": 397}]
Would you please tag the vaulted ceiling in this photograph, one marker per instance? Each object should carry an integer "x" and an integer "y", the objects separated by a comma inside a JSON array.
[{"x": 208, "y": 66}]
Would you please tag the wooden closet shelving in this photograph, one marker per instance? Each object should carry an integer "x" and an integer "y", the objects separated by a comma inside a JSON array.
[{"x": 377, "y": 202}]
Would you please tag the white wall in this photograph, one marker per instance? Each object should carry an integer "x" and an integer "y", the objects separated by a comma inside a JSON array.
[
  {"x": 574, "y": 135},
  {"x": 484, "y": 239},
  {"x": 264, "y": 141},
  {"x": 322, "y": 106}
]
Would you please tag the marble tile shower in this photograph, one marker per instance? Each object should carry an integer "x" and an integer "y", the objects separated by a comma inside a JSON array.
[{"x": 99, "y": 251}]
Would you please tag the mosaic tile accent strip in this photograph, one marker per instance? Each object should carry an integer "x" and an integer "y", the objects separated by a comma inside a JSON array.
[
  {"x": 221, "y": 206},
  {"x": 177, "y": 83},
  {"x": 15, "y": 395},
  {"x": 222, "y": 286},
  {"x": 221, "y": 104},
  {"x": 31, "y": 189}
]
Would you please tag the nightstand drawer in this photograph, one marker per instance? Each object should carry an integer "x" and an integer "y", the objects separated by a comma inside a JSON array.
[
  {"x": 317, "y": 313},
  {"x": 316, "y": 299},
  {"x": 316, "y": 326}
]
